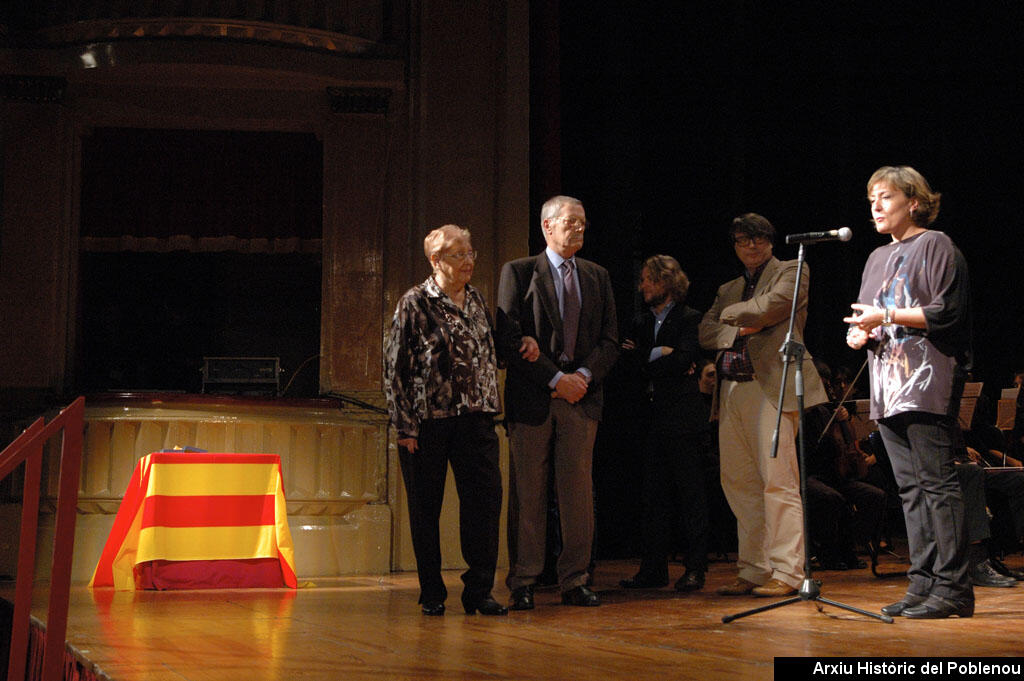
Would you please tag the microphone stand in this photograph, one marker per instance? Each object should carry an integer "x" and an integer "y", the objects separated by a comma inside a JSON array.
[{"x": 792, "y": 352}]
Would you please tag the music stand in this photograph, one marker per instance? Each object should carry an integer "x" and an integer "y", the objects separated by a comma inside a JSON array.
[
  {"x": 1007, "y": 408},
  {"x": 793, "y": 351}
]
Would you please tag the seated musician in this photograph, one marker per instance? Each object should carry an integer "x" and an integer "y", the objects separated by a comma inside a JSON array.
[
  {"x": 845, "y": 509},
  {"x": 1003, "y": 488}
]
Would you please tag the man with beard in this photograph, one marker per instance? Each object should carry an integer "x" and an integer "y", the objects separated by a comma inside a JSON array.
[{"x": 664, "y": 350}]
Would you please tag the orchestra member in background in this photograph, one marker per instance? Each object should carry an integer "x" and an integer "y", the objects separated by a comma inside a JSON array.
[
  {"x": 844, "y": 510},
  {"x": 1015, "y": 446},
  {"x": 913, "y": 316},
  {"x": 441, "y": 380}
]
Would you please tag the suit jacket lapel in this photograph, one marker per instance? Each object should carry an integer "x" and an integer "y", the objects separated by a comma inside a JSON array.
[
  {"x": 544, "y": 283},
  {"x": 645, "y": 339},
  {"x": 671, "y": 320},
  {"x": 590, "y": 290},
  {"x": 733, "y": 292},
  {"x": 767, "y": 276}
]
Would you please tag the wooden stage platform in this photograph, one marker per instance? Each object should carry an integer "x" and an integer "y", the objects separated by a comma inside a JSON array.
[{"x": 370, "y": 629}]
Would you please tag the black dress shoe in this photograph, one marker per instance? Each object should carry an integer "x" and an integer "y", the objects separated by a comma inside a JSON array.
[
  {"x": 641, "y": 581},
  {"x": 433, "y": 609},
  {"x": 909, "y": 601},
  {"x": 934, "y": 609},
  {"x": 690, "y": 581},
  {"x": 1003, "y": 569},
  {"x": 486, "y": 605},
  {"x": 581, "y": 596},
  {"x": 983, "y": 574},
  {"x": 522, "y": 598}
]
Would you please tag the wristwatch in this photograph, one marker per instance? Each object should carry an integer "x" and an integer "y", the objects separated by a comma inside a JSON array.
[{"x": 887, "y": 317}]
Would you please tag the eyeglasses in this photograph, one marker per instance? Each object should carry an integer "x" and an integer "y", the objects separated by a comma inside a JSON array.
[
  {"x": 747, "y": 240},
  {"x": 461, "y": 256},
  {"x": 573, "y": 222}
]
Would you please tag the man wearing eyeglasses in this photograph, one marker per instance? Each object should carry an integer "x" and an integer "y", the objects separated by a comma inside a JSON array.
[
  {"x": 747, "y": 325},
  {"x": 552, "y": 405}
]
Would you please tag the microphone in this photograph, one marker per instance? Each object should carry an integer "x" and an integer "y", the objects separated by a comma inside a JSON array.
[{"x": 841, "y": 234}]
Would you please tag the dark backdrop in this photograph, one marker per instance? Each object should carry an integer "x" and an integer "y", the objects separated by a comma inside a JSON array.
[{"x": 675, "y": 117}]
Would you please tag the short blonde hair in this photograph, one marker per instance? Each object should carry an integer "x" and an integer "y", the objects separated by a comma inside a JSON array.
[
  {"x": 914, "y": 186},
  {"x": 443, "y": 237}
]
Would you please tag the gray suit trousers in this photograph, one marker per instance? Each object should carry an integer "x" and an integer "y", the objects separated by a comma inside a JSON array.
[{"x": 566, "y": 440}]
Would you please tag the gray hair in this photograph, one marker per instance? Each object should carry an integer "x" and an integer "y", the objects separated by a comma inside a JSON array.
[
  {"x": 442, "y": 237},
  {"x": 553, "y": 206}
]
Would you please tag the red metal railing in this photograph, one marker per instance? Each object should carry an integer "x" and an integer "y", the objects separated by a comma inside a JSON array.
[{"x": 28, "y": 447}]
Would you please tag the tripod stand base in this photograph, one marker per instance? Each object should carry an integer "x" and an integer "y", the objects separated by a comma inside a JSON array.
[
  {"x": 792, "y": 352},
  {"x": 810, "y": 590}
]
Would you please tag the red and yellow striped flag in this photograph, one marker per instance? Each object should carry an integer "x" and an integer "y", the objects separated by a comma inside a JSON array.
[{"x": 198, "y": 507}]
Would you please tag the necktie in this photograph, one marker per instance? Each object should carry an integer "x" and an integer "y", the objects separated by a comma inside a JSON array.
[{"x": 570, "y": 310}]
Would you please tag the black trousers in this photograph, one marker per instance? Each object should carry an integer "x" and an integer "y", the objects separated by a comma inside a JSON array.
[
  {"x": 467, "y": 442},
  {"x": 921, "y": 451},
  {"x": 672, "y": 495}
]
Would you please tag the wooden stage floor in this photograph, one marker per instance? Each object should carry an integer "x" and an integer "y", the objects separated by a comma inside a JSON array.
[{"x": 365, "y": 628}]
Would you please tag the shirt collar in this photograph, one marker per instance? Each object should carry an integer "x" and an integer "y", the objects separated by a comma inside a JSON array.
[
  {"x": 660, "y": 316},
  {"x": 432, "y": 290},
  {"x": 752, "y": 278},
  {"x": 556, "y": 260}
]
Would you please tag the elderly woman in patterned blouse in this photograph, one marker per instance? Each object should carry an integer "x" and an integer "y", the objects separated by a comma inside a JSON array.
[{"x": 441, "y": 379}]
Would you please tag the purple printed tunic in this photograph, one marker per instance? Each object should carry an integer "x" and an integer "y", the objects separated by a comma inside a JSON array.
[{"x": 917, "y": 369}]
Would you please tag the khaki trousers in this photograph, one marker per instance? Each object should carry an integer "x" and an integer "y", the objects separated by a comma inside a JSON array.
[{"x": 764, "y": 493}]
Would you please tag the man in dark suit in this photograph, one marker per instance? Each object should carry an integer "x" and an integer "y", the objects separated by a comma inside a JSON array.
[
  {"x": 747, "y": 325},
  {"x": 552, "y": 405},
  {"x": 664, "y": 349}
]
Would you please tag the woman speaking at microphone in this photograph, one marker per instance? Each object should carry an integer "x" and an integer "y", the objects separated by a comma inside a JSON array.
[{"x": 913, "y": 316}]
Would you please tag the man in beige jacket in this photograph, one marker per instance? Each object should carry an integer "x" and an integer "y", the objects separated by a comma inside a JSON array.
[{"x": 747, "y": 325}]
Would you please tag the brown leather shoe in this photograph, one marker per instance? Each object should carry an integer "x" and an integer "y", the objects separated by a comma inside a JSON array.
[
  {"x": 740, "y": 587},
  {"x": 774, "y": 587}
]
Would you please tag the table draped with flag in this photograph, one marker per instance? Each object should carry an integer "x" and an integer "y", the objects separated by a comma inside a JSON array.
[{"x": 200, "y": 520}]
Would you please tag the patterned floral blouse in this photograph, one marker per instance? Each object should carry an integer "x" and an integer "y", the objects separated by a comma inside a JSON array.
[{"x": 439, "y": 360}]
